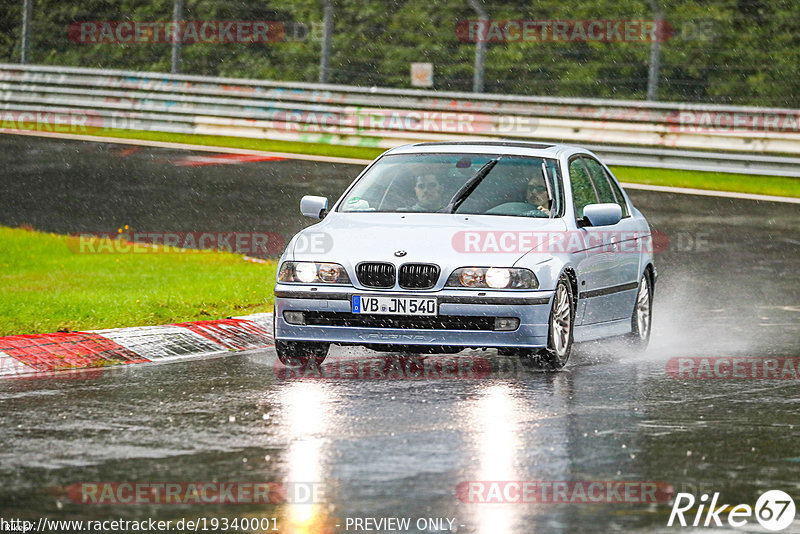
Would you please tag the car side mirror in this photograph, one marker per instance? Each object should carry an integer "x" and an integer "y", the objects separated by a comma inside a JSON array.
[
  {"x": 315, "y": 207},
  {"x": 601, "y": 214}
]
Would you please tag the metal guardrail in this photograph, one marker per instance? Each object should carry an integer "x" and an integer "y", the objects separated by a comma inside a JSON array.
[{"x": 670, "y": 135}]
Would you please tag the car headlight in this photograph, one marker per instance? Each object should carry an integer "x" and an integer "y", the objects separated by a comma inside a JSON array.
[
  {"x": 493, "y": 278},
  {"x": 312, "y": 272},
  {"x": 497, "y": 278}
]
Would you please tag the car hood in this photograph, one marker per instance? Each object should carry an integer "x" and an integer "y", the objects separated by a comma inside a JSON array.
[{"x": 449, "y": 240}]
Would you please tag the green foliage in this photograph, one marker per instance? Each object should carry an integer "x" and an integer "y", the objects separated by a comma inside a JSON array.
[{"x": 728, "y": 51}]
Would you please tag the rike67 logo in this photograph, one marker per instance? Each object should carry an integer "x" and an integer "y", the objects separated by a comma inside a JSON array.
[{"x": 774, "y": 510}]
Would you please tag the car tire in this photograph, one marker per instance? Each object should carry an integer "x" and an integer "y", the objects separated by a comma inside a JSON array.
[
  {"x": 300, "y": 353},
  {"x": 642, "y": 317},
  {"x": 560, "y": 326}
]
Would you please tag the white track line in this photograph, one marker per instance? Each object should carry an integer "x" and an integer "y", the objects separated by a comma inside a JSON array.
[
  {"x": 711, "y": 193},
  {"x": 355, "y": 161}
]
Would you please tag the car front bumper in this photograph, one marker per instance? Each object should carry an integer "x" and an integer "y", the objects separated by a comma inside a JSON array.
[{"x": 532, "y": 308}]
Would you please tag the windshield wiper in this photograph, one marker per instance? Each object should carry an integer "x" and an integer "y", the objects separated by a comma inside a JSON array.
[{"x": 466, "y": 190}]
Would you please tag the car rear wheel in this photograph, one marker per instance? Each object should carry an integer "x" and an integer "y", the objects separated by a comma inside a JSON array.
[
  {"x": 300, "y": 353},
  {"x": 642, "y": 318}
]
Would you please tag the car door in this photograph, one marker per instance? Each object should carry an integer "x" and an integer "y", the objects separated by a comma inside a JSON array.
[
  {"x": 613, "y": 290},
  {"x": 589, "y": 261}
]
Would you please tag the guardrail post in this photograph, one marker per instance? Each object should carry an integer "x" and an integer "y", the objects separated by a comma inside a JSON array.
[
  {"x": 177, "y": 16},
  {"x": 27, "y": 14},
  {"x": 480, "y": 47},
  {"x": 325, "y": 52},
  {"x": 655, "y": 51}
]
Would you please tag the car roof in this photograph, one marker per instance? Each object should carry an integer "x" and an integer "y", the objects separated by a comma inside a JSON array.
[{"x": 510, "y": 147}]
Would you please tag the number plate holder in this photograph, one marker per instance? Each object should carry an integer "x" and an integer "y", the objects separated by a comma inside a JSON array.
[{"x": 394, "y": 305}]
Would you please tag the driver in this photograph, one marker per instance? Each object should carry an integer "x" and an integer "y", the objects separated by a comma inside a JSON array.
[{"x": 429, "y": 192}]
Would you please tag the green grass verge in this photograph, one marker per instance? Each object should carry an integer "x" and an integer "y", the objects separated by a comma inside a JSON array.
[
  {"x": 45, "y": 287},
  {"x": 716, "y": 181},
  {"x": 292, "y": 147}
]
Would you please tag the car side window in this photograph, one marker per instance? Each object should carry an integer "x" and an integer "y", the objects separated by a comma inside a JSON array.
[
  {"x": 598, "y": 176},
  {"x": 619, "y": 195},
  {"x": 583, "y": 191},
  {"x": 607, "y": 190}
]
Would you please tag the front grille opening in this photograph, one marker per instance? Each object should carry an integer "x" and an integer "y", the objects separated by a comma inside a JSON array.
[
  {"x": 441, "y": 322},
  {"x": 418, "y": 275},
  {"x": 376, "y": 274}
]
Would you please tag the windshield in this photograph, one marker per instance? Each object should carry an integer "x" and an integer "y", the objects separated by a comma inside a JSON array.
[{"x": 429, "y": 183}]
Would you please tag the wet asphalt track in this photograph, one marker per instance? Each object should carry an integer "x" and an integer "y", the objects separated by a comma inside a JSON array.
[{"x": 729, "y": 286}]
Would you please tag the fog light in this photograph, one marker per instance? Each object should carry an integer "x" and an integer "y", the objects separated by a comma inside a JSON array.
[
  {"x": 294, "y": 317},
  {"x": 506, "y": 324}
]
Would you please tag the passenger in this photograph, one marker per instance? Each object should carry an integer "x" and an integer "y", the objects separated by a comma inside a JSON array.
[
  {"x": 536, "y": 203},
  {"x": 537, "y": 196}
]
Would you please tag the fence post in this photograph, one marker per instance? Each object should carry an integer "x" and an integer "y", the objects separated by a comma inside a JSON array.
[
  {"x": 177, "y": 16},
  {"x": 27, "y": 14},
  {"x": 327, "y": 32},
  {"x": 480, "y": 47},
  {"x": 655, "y": 51}
]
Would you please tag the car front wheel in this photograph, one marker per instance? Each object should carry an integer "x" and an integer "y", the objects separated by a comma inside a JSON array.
[
  {"x": 300, "y": 353},
  {"x": 559, "y": 333},
  {"x": 642, "y": 318},
  {"x": 559, "y": 329}
]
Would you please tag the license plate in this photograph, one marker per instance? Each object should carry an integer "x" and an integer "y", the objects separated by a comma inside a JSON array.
[{"x": 394, "y": 305}]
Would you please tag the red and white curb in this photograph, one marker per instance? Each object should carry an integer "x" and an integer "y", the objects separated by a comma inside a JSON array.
[
  {"x": 222, "y": 159},
  {"x": 47, "y": 353}
]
